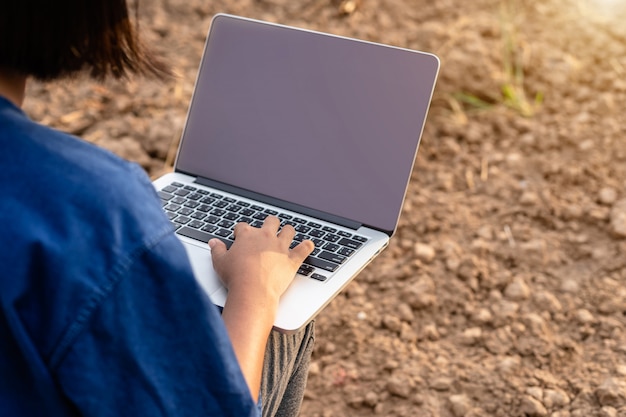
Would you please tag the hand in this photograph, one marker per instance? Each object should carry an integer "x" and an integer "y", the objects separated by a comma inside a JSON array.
[
  {"x": 259, "y": 262},
  {"x": 257, "y": 270}
]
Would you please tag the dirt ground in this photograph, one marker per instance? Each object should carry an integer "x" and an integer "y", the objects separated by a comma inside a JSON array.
[{"x": 503, "y": 292}]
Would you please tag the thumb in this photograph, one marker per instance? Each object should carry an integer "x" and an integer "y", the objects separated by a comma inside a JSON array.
[
  {"x": 303, "y": 250},
  {"x": 218, "y": 248}
]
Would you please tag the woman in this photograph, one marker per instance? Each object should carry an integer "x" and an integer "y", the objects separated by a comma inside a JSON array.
[{"x": 100, "y": 312}]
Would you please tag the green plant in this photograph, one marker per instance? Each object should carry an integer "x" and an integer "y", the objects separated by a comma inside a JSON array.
[{"x": 514, "y": 94}]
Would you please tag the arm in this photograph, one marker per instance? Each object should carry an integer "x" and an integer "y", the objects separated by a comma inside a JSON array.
[{"x": 257, "y": 270}]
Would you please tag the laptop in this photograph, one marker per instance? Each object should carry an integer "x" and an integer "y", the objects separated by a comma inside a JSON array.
[{"x": 319, "y": 130}]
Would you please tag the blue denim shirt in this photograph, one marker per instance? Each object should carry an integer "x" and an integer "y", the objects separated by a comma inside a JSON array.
[{"x": 100, "y": 314}]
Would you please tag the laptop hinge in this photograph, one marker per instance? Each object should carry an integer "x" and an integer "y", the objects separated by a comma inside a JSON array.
[{"x": 351, "y": 224}]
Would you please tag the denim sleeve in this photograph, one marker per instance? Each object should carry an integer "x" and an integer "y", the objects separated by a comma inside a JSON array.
[{"x": 152, "y": 344}]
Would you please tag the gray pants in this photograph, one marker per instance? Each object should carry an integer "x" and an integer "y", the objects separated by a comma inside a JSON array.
[{"x": 285, "y": 371}]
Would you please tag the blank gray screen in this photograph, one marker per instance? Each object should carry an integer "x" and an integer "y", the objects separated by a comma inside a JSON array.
[{"x": 325, "y": 122}]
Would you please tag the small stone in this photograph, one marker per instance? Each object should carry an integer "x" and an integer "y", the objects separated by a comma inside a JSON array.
[
  {"x": 607, "y": 196},
  {"x": 535, "y": 392},
  {"x": 399, "y": 387},
  {"x": 618, "y": 218},
  {"x": 371, "y": 399},
  {"x": 555, "y": 398},
  {"x": 314, "y": 368},
  {"x": 569, "y": 286},
  {"x": 424, "y": 252},
  {"x": 584, "y": 316},
  {"x": 612, "y": 393},
  {"x": 430, "y": 332},
  {"x": 483, "y": 316},
  {"x": 509, "y": 365},
  {"x": 532, "y": 407},
  {"x": 405, "y": 312},
  {"x": 470, "y": 336},
  {"x": 460, "y": 405},
  {"x": 518, "y": 290},
  {"x": 607, "y": 411},
  {"x": 392, "y": 323},
  {"x": 547, "y": 301},
  {"x": 441, "y": 384}
]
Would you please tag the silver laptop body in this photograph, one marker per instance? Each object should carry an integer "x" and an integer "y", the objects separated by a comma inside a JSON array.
[{"x": 317, "y": 129}]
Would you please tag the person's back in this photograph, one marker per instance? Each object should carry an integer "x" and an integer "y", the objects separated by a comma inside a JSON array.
[
  {"x": 100, "y": 314},
  {"x": 85, "y": 285}
]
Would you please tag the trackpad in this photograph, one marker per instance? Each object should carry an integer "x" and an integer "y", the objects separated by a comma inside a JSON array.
[{"x": 203, "y": 268}]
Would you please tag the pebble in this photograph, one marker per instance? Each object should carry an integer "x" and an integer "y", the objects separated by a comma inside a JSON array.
[
  {"x": 555, "y": 398},
  {"x": 569, "y": 286},
  {"x": 392, "y": 323},
  {"x": 608, "y": 412},
  {"x": 532, "y": 407},
  {"x": 618, "y": 218},
  {"x": 548, "y": 302},
  {"x": 535, "y": 392},
  {"x": 518, "y": 290},
  {"x": 471, "y": 336},
  {"x": 460, "y": 405},
  {"x": 441, "y": 384},
  {"x": 607, "y": 196},
  {"x": 612, "y": 392},
  {"x": 424, "y": 252},
  {"x": 371, "y": 399},
  {"x": 509, "y": 365},
  {"x": 399, "y": 387},
  {"x": 584, "y": 316}
]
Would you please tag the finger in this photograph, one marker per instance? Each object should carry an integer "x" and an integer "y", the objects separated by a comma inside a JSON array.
[
  {"x": 271, "y": 223},
  {"x": 287, "y": 233},
  {"x": 240, "y": 227},
  {"x": 302, "y": 250},
  {"x": 218, "y": 248}
]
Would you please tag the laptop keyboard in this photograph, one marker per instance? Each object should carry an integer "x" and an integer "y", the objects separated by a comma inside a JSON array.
[{"x": 203, "y": 215}]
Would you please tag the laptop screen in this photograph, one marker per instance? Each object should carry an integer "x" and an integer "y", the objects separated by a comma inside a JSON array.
[{"x": 325, "y": 122}]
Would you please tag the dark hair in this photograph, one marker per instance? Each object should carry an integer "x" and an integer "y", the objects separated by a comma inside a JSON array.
[{"x": 50, "y": 39}]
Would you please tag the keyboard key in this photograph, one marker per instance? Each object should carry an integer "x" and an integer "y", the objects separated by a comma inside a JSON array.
[
  {"x": 345, "y": 251},
  {"x": 218, "y": 212},
  {"x": 315, "y": 225},
  {"x": 209, "y": 228},
  {"x": 203, "y": 192},
  {"x": 198, "y": 215},
  {"x": 247, "y": 212},
  {"x": 299, "y": 220},
  {"x": 329, "y": 229},
  {"x": 231, "y": 216},
  {"x": 207, "y": 200},
  {"x": 171, "y": 216},
  {"x": 319, "y": 277},
  {"x": 246, "y": 220},
  {"x": 190, "y": 188},
  {"x": 229, "y": 199},
  {"x": 165, "y": 196},
  {"x": 320, "y": 263},
  {"x": 182, "y": 192},
  {"x": 223, "y": 232},
  {"x": 256, "y": 223},
  {"x": 318, "y": 242},
  {"x": 172, "y": 207},
  {"x": 285, "y": 216},
  {"x": 179, "y": 200},
  {"x": 169, "y": 189},
  {"x": 177, "y": 184},
  {"x": 317, "y": 233},
  {"x": 185, "y": 211},
  {"x": 257, "y": 208},
  {"x": 305, "y": 270},
  {"x": 194, "y": 196},
  {"x": 201, "y": 236},
  {"x": 204, "y": 208},
  {"x": 227, "y": 224},
  {"x": 192, "y": 204},
  {"x": 234, "y": 208},
  {"x": 271, "y": 212},
  {"x": 216, "y": 195},
  {"x": 359, "y": 238},
  {"x": 212, "y": 219},
  {"x": 344, "y": 234},
  {"x": 333, "y": 257},
  {"x": 330, "y": 247},
  {"x": 302, "y": 228},
  {"x": 260, "y": 216},
  {"x": 243, "y": 204},
  {"x": 331, "y": 238},
  {"x": 182, "y": 220},
  {"x": 221, "y": 204},
  {"x": 352, "y": 244},
  {"x": 196, "y": 224}
]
